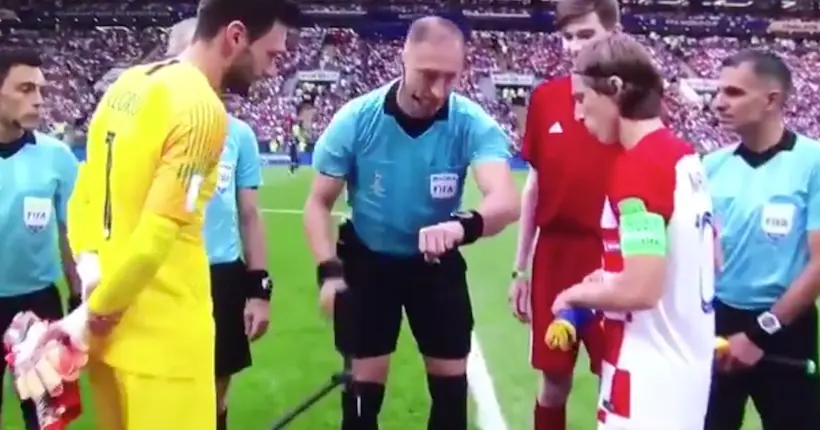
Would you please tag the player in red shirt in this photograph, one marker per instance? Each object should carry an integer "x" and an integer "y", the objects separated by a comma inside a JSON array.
[{"x": 562, "y": 203}]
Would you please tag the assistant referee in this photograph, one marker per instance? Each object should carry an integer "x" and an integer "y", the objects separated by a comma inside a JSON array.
[
  {"x": 766, "y": 193},
  {"x": 403, "y": 151},
  {"x": 37, "y": 174}
]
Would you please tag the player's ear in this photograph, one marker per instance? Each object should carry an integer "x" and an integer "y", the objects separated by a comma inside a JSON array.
[
  {"x": 236, "y": 32},
  {"x": 775, "y": 99},
  {"x": 615, "y": 85}
]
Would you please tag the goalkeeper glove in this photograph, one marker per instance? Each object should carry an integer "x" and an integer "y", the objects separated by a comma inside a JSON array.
[{"x": 562, "y": 333}]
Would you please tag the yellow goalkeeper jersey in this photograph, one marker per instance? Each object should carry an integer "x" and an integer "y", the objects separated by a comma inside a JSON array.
[{"x": 153, "y": 146}]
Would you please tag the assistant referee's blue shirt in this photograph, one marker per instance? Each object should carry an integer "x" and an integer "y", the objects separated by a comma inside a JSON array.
[
  {"x": 37, "y": 174},
  {"x": 766, "y": 204},
  {"x": 397, "y": 183},
  {"x": 239, "y": 168}
]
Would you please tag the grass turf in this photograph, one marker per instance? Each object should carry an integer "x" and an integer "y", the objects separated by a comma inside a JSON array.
[{"x": 297, "y": 356}]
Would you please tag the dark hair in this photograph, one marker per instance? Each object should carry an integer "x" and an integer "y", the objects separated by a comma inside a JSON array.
[
  {"x": 17, "y": 57},
  {"x": 607, "y": 11},
  {"x": 764, "y": 64},
  {"x": 257, "y": 15},
  {"x": 620, "y": 56}
]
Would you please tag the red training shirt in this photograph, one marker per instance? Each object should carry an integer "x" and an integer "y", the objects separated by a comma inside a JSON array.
[{"x": 573, "y": 166}]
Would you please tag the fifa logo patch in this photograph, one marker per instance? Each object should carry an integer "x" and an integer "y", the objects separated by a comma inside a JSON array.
[
  {"x": 225, "y": 177},
  {"x": 443, "y": 185},
  {"x": 36, "y": 213},
  {"x": 777, "y": 219}
]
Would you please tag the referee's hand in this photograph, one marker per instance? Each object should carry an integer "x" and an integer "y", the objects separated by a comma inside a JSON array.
[
  {"x": 327, "y": 294},
  {"x": 437, "y": 239}
]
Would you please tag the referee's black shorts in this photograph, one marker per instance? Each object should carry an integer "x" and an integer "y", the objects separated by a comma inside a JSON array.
[
  {"x": 368, "y": 316},
  {"x": 785, "y": 398},
  {"x": 228, "y": 287},
  {"x": 46, "y": 304}
]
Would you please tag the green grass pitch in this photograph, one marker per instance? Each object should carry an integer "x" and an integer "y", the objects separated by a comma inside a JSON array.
[{"x": 297, "y": 355}]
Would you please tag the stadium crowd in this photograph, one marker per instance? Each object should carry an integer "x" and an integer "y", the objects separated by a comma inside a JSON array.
[{"x": 79, "y": 60}]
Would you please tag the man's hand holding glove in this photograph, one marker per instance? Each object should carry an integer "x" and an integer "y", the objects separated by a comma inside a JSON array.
[
  {"x": 562, "y": 333},
  {"x": 45, "y": 357}
]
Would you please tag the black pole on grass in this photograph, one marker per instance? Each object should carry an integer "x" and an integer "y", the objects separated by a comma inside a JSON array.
[{"x": 341, "y": 379}]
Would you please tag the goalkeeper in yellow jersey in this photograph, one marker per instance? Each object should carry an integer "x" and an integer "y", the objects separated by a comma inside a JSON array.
[{"x": 153, "y": 146}]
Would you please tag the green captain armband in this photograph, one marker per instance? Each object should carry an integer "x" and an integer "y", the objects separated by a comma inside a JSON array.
[{"x": 642, "y": 232}]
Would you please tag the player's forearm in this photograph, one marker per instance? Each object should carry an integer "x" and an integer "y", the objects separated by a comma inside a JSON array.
[
  {"x": 67, "y": 259},
  {"x": 253, "y": 239},
  {"x": 145, "y": 252},
  {"x": 612, "y": 296},
  {"x": 802, "y": 294},
  {"x": 526, "y": 222},
  {"x": 318, "y": 224}
]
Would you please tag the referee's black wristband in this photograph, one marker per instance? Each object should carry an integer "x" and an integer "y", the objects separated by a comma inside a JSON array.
[
  {"x": 330, "y": 269},
  {"x": 73, "y": 302},
  {"x": 259, "y": 285},
  {"x": 473, "y": 224}
]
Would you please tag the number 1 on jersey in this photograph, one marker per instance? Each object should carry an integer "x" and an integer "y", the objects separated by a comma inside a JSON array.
[{"x": 110, "y": 137}]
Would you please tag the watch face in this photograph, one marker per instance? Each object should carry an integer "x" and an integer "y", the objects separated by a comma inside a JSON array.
[{"x": 768, "y": 323}]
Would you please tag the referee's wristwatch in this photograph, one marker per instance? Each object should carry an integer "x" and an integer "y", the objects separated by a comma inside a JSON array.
[
  {"x": 766, "y": 325},
  {"x": 769, "y": 323}
]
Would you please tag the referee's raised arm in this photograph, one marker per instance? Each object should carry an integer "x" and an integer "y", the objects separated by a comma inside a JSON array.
[{"x": 766, "y": 194}]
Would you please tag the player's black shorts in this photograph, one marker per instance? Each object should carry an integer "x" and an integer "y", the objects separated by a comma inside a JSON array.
[
  {"x": 786, "y": 398},
  {"x": 368, "y": 316},
  {"x": 44, "y": 303},
  {"x": 233, "y": 349}
]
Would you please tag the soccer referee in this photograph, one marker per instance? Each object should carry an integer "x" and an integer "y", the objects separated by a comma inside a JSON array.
[
  {"x": 37, "y": 175},
  {"x": 766, "y": 193},
  {"x": 403, "y": 150}
]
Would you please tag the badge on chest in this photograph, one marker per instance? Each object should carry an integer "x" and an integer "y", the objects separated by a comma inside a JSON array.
[
  {"x": 443, "y": 185},
  {"x": 777, "y": 219},
  {"x": 36, "y": 213}
]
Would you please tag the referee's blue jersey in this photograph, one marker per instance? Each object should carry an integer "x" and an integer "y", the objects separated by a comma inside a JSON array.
[
  {"x": 766, "y": 204},
  {"x": 398, "y": 183},
  {"x": 37, "y": 174},
  {"x": 239, "y": 168}
]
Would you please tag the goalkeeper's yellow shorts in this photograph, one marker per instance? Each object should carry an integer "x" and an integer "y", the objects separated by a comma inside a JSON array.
[{"x": 131, "y": 401}]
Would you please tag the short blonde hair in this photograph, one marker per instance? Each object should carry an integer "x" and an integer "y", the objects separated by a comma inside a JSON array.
[
  {"x": 618, "y": 55},
  {"x": 180, "y": 36}
]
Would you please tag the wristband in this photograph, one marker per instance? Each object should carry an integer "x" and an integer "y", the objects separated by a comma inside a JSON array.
[
  {"x": 73, "y": 302},
  {"x": 259, "y": 285},
  {"x": 330, "y": 269},
  {"x": 473, "y": 224}
]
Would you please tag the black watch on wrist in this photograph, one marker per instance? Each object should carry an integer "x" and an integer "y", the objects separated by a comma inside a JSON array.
[
  {"x": 259, "y": 285},
  {"x": 473, "y": 224}
]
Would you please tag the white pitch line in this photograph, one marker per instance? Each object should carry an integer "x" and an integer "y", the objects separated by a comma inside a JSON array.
[
  {"x": 488, "y": 410},
  {"x": 296, "y": 212}
]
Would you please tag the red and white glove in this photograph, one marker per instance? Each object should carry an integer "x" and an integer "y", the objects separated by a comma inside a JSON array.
[{"x": 45, "y": 360}]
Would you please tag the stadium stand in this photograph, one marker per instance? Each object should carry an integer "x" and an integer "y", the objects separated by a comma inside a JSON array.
[{"x": 331, "y": 65}]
